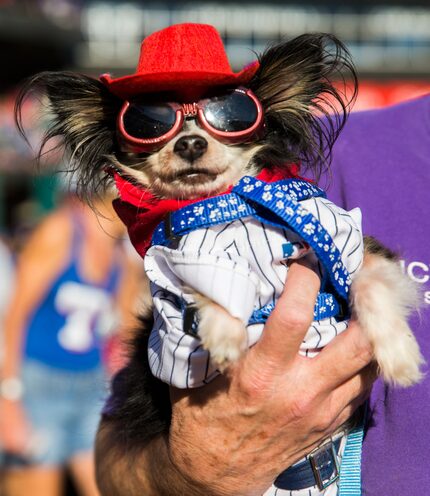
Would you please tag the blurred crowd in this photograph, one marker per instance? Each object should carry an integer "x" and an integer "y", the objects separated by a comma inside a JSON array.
[{"x": 70, "y": 287}]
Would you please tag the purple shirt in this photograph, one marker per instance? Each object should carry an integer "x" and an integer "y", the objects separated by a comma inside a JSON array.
[{"x": 382, "y": 164}]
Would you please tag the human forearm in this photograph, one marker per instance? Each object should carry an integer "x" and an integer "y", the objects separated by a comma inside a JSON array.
[
  {"x": 38, "y": 265},
  {"x": 15, "y": 430},
  {"x": 13, "y": 342}
]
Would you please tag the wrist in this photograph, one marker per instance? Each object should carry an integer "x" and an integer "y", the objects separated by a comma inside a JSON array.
[{"x": 11, "y": 388}]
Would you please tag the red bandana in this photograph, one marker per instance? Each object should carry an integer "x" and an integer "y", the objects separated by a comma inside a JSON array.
[{"x": 141, "y": 211}]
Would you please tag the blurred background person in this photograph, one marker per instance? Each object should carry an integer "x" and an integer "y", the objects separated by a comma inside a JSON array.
[{"x": 74, "y": 280}]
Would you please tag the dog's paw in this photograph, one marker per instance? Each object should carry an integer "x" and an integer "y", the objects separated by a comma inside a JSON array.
[
  {"x": 383, "y": 297},
  {"x": 221, "y": 334},
  {"x": 400, "y": 362}
]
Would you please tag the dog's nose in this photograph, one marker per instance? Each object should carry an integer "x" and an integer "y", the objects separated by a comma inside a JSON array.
[{"x": 191, "y": 147}]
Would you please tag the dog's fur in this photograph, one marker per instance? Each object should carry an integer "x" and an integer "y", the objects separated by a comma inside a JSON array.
[{"x": 295, "y": 86}]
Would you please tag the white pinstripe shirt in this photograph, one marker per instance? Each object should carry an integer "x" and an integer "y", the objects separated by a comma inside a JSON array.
[{"x": 241, "y": 266}]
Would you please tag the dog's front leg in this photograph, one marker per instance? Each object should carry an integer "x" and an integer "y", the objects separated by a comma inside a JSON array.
[
  {"x": 223, "y": 335},
  {"x": 382, "y": 299}
]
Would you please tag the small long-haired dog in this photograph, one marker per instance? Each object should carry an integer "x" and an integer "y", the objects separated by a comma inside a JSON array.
[{"x": 183, "y": 130}]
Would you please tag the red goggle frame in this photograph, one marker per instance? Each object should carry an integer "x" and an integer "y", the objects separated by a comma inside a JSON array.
[{"x": 233, "y": 117}]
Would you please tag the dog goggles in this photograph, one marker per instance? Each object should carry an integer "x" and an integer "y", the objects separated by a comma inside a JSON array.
[{"x": 234, "y": 117}]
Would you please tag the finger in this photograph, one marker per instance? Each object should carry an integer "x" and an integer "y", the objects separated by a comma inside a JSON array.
[
  {"x": 359, "y": 390},
  {"x": 291, "y": 317},
  {"x": 355, "y": 390},
  {"x": 344, "y": 416},
  {"x": 339, "y": 406},
  {"x": 343, "y": 357}
]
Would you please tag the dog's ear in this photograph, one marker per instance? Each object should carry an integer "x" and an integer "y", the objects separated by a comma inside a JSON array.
[
  {"x": 82, "y": 113},
  {"x": 296, "y": 85}
]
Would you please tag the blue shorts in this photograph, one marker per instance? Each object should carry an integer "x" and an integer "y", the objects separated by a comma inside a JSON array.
[{"x": 63, "y": 408}]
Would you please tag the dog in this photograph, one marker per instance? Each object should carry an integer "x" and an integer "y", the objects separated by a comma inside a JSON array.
[{"x": 175, "y": 137}]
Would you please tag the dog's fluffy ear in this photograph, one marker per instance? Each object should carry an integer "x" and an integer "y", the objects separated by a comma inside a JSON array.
[
  {"x": 83, "y": 114},
  {"x": 295, "y": 83}
]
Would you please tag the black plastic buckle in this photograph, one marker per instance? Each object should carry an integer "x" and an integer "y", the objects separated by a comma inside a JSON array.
[
  {"x": 191, "y": 321},
  {"x": 168, "y": 228}
]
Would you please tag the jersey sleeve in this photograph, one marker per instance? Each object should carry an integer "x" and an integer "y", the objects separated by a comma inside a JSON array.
[
  {"x": 212, "y": 263},
  {"x": 175, "y": 357}
]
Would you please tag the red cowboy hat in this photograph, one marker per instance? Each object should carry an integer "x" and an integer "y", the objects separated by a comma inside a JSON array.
[{"x": 184, "y": 58}]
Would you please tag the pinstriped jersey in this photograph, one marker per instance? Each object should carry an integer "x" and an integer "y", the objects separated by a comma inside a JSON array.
[{"x": 241, "y": 265}]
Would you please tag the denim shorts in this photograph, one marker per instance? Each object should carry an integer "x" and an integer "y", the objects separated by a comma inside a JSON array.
[{"x": 63, "y": 408}]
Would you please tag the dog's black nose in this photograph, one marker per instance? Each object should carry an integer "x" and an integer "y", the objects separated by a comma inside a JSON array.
[{"x": 191, "y": 147}]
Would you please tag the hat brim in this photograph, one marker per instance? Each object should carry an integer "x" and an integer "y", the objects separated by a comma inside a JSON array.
[{"x": 187, "y": 81}]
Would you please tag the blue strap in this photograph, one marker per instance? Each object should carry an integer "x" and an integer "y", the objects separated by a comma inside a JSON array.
[
  {"x": 325, "y": 306},
  {"x": 350, "y": 467},
  {"x": 222, "y": 209},
  {"x": 302, "y": 474},
  {"x": 206, "y": 213},
  {"x": 276, "y": 204},
  {"x": 281, "y": 204},
  {"x": 260, "y": 315}
]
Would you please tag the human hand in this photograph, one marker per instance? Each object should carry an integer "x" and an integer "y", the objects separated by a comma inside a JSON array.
[
  {"x": 235, "y": 435},
  {"x": 15, "y": 430}
]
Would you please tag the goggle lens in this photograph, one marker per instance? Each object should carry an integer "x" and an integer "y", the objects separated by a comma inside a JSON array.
[
  {"x": 232, "y": 112},
  {"x": 144, "y": 120}
]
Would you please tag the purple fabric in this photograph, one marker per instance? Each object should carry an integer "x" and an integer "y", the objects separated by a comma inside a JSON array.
[{"x": 382, "y": 164}]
